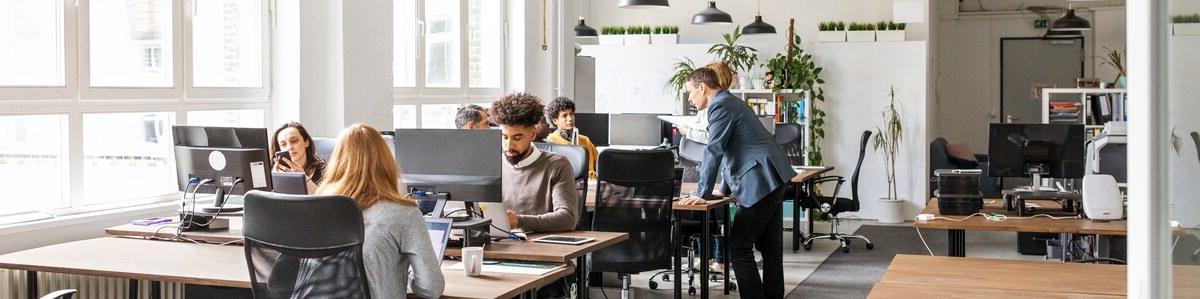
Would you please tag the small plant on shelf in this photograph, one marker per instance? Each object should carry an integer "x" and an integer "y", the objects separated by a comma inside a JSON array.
[
  {"x": 1186, "y": 19},
  {"x": 739, "y": 57},
  {"x": 1115, "y": 59}
]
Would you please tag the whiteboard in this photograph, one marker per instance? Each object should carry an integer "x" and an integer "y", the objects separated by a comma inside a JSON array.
[{"x": 633, "y": 78}]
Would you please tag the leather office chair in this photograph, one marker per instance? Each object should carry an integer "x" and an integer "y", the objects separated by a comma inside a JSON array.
[
  {"x": 789, "y": 137},
  {"x": 578, "y": 157},
  {"x": 61, "y": 294},
  {"x": 634, "y": 196},
  {"x": 300, "y": 246},
  {"x": 834, "y": 204}
]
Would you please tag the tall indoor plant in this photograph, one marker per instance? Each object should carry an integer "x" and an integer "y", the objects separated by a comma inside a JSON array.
[
  {"x": 887, "y": 142},
  {"x": 740, "y": 58}
]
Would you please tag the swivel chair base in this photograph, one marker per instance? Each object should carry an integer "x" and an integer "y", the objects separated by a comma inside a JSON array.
[{"x": 835, "y": 235}]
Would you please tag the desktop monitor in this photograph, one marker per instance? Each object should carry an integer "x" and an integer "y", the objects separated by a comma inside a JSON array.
[
  {"x": 594, "y": 126},
  {"x": 637, "y": 129},
  {"x": 465, "y": 164},
  {"x": 1036, "y": 150},
  {"x": 223, "y": 155}
]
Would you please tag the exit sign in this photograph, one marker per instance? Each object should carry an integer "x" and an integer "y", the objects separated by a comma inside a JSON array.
[{"x": 1040, "y": 23}]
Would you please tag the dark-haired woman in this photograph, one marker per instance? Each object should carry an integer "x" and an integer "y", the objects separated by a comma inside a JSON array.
[{"x": 302, "y": 154}]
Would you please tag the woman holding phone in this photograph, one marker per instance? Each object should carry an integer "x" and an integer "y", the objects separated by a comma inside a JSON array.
[{"x": 294, "y": 152}]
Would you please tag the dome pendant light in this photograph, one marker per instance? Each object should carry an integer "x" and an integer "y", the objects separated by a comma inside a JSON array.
[
  {"x": 1070, "y": 22},
  {"x": 758, "y": 27},
  {"x": 712, "y": 15},
  {"x": 583, "y": 30},
  {"x": 643, "y": 4}
]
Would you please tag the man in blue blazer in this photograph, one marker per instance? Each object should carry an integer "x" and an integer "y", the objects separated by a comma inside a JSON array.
[{"x": 755, "y": 169}]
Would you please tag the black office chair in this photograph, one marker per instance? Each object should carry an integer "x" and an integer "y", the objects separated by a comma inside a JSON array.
[
  {"x": 304, "y": 246},
  {"x": 578, "y": 157},
  {"x": 834, "y": 204},
  {"x": 789, "y": 137},
  {"x": 634, "y": 196},
  {"x": 61, "y": 294}
]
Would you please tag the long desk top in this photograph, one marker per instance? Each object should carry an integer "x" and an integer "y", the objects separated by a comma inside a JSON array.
[
  {"x": 689, "y": 187},
  {"x": 546, "y": 252},
  {"x": 913, "y": 276},
  {"x": 1032, "y": 225},
  {"x": 164, "y": 231},
  {"x": 216, "y": 265}
]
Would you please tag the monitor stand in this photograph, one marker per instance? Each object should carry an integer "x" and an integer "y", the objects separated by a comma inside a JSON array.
[
  {"x": 219, "y": 205},
  {"x": 1036, "y": 185}
]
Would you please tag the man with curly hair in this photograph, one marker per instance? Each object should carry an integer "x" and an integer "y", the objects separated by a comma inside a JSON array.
[
  {"x": 539, "y": 187},
  {"x": 561, "y": 113}
]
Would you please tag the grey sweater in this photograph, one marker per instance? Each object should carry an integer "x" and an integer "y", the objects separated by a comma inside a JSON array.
[
  {"x": 397, "y": 240},
  {"x": 542, "y": 194}
]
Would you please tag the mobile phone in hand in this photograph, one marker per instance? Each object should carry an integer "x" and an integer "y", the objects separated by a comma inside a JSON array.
[{"x": 284, "y": 155}]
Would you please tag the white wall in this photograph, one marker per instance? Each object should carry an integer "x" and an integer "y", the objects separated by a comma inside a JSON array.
[
  {"x": 858, "y": 78},
  {"x": 1184, "y": 105}
]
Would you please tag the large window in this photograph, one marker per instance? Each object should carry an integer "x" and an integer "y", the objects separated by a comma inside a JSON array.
[
  {"x": 227, "y": 44},
  {"x": 127, "y": 156},
  {"x": 31, "y": 43},
  {"x": 131, "y": 43},
  {"x": 244, "y": 118},
  {"x": 33, "y": 163}
]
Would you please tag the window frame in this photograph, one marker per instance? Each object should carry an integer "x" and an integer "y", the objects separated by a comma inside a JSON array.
[
  {"x": 422, "y": 94},
  {"x": 216, "y": 93},
  {"x": 70, "y": 66}
]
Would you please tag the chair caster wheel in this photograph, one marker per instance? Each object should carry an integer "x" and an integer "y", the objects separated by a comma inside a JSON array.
[
  {"x": 808, "y": 246},
  {"x": 653, "y": 285},
  {"x": 845, "y": 249},
  {"x": 692, "y": 291},
  {"x": 666, "y": 278},
  {"x": 731, "y": 287},
  {"x": 870, "y": 246}
]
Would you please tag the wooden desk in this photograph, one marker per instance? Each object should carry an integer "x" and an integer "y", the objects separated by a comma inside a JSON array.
[
  {"x": 884, "y": 290},
  {"x": 546, "y": 252},
  {"x": 919, "y": 276},
  {"x": 233, "y": 235},
  {"x": 803, "y": 181},
  {"x": 215, "y": 265},
  {"x": 957, "y": 229}
]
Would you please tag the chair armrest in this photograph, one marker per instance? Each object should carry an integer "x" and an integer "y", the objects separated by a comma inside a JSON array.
[
  {"x": 833, "y": 178},
  {"x": 61, "y": 294}
]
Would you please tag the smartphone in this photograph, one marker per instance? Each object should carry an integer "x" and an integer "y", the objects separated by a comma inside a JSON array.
[{"x": 284, "y": 154}]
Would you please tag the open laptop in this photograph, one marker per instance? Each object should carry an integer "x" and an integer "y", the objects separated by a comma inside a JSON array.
[
  {"x": 499, "y": 216},
  {"x": 439, "y": 234},
  {"x": 289, "y": 183}
]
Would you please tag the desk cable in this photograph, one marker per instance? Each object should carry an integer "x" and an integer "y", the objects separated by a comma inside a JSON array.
[
  {"x": 989, "y": 217},
  {"x": 511, "y": 235}
]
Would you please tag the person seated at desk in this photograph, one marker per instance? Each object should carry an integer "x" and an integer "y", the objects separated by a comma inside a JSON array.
[
  {"x": 302, "y": 154},
  {"x": 396, "y": 238},
  {"x": 561, "y": 112},
  {"x": 471, "y": 117},
  {"x": 539, "y": 187}
]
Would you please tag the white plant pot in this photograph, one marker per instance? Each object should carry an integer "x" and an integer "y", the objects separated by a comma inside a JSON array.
[
  {"x": 860, "y": 36},
  {"x": 744, "y": 82},
  {"x": 1185, "y": 29},
  {"x": 891, "y": 210},
  {"x": 890, "y": 35},
  {"x": 637, "y": 39},
  {"x": 831, "y": 36},
  {"x": 664, "y": 39},
  {"x": 612, "y": 40}
]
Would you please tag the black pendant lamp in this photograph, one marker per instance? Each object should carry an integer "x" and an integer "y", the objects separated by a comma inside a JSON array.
[
  {"x": 1070, "y": 22},
  {"x": 758, "y": 27},
  {"x": 583, "y": 30},
  {"x": 643, "y": 4},
  {"x": 712, "y": 15}
]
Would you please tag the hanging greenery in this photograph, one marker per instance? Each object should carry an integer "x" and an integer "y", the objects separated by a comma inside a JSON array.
[{"x": 796, "y": 70}]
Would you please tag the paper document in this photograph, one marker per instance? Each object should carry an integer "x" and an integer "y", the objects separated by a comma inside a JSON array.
[{"x": 512, "y": 268}]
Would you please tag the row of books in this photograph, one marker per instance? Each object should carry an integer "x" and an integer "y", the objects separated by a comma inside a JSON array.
[{"x": 1102, "y": 108}]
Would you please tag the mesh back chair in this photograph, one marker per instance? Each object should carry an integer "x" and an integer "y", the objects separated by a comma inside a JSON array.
[
  {"x": 634, "y": 196},
  {"x": 834, "y": 204},
  {"x": 789, "y": 137},
  {"x": 304, "y": 246},
  {"x": 578, "y": 158}
]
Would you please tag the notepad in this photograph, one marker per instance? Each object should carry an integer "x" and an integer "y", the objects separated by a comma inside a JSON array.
[{"x": 513, "y": 268}]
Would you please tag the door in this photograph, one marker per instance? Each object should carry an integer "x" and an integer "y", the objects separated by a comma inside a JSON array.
[{"x": 1029, "y": 64}]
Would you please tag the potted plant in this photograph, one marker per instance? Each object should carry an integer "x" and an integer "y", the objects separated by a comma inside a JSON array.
[
  {"x": 831, "y": 32},
  {"x": 683, "y": 69},
  {"x": 887, "y": 142},
  {"x": 890, "y": 32},
  {"x": 1115, "y": 59},
  {"x": 740, "y": 58},
  {"x": 797, "y": 71},
  {"x": 612, "y": 35},
  {"x": 637, "y": 35},
  {"x": 1185, "y": 24},
  {"x": 665, "y": 35},
  {"x": 861, "y": 32}
]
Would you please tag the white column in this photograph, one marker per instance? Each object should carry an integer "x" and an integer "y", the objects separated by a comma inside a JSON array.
[{"x": 1149, "y": 272}]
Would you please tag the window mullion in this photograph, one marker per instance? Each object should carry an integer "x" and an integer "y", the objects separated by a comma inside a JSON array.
[{"x": 464, "y": 46}]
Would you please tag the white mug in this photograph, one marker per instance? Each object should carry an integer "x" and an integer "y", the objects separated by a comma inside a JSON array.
[{"x": 472, "y": 258}]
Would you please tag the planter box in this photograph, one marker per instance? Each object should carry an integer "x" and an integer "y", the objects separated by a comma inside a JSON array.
[
  {"x": 612, "y": 40},
  {"x": 1185, "y": 29},
  {"x": 860, "y": 36},
  {"x": 664, "y": 39},
  {"x": 637, "y": 39},
  {"x": 890, "y": 35},
  {"x": 831, "y": 36}
]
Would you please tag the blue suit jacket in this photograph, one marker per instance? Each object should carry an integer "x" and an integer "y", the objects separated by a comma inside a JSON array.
[{"x": 751, "y": 164}]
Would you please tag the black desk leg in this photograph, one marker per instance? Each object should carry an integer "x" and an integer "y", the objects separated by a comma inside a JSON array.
[
  {"x": 958, "y": 242},
  {"x": 581, "y": 277},
  {"x": 676, "y": 244},
  {"x": 706, "y": 253},
  {"x": 31, "y": 284},
  {"x": 155, "y": 289},
  {"x": 796, "y": 233},
  {"x": 725, "y": 246},
  {"x": 133, "y": 289}
]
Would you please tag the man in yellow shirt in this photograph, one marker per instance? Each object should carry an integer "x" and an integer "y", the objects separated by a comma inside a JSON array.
[{"x": 561, "y": 113}]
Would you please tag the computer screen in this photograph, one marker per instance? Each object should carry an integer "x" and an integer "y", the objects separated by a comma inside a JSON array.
[
  {"x": 223, "y": 155},
  {"x": 439, "y": 234},
  {"x": 594, "y": 126},
  {"x": 1058, "y": 149},
  {"x": 637, "y": 129},
  {"x": 463, "y": 163}
]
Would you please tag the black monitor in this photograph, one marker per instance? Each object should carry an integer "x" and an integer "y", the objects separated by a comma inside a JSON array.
[
  {"x": 594, "y": 126},
  {"x": 1036, "y": 150},
  {"x": 637, "y": 129},
  {"x": 464, "y": 164},
  {"x": 223, "y": 155}
]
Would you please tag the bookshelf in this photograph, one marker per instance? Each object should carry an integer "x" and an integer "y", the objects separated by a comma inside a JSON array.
[
  {"x": 787, "y": 106},
  {"x": 1083, "y": 109}
]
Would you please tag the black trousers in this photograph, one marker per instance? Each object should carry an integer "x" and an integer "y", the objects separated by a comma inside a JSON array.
[{"x": 759, "y": 226}]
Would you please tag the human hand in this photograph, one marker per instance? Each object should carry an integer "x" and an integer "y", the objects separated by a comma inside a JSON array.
[
  {"x": 692, "y": 200},
  {"x": 513, "y": 220},
  {"x": 284, "y": 165}
]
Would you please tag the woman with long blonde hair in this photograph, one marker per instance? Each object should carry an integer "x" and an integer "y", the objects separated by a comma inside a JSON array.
[{"x": 362, "y": 168}]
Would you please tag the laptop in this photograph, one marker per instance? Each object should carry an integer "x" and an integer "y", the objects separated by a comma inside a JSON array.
[
  {"x": 499, "y": 216},
  {"x": 439, "y": 234},
  {"x": 289, "y": 183}
]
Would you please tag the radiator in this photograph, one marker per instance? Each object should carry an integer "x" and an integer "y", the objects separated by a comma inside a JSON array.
[{"x": 12, "y": 285}]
